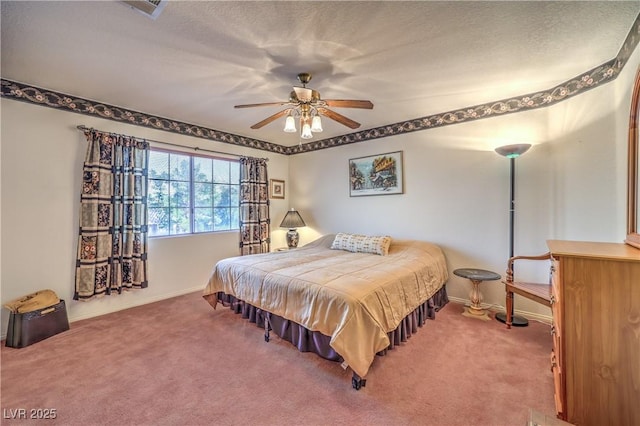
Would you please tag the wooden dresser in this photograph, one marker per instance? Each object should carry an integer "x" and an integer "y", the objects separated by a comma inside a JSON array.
[{"x": 596, "y": 332}]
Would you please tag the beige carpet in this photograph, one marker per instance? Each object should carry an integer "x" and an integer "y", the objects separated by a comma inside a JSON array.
[{"x": 179, "y": 362}]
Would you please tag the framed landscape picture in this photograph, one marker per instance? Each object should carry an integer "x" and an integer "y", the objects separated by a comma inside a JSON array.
[
  {"x": 376, "y": 175},
  {"x": 276, "y": 188}
]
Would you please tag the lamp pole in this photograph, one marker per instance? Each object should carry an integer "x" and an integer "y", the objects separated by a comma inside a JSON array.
[
  {"x": 512, "y": 152},
  {"x": 512, "y": 207}
]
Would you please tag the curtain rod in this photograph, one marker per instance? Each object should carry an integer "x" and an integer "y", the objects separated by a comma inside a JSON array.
[{"x": 85, "y": 128}]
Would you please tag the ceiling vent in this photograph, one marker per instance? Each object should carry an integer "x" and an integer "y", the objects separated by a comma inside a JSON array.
[{"x": 150, "y": 8}]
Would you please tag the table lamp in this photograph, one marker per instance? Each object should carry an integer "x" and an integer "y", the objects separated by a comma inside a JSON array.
[{"x": 292, "y": 220}]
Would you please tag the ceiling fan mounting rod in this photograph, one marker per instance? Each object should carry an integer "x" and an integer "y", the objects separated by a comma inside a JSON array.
[{"x": 304, "y": 78}]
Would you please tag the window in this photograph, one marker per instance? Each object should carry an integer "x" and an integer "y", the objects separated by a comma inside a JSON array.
[{"x": 192, "y": 193}]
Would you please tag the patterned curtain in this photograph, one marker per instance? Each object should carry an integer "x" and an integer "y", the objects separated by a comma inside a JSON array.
[
  {"x": 254, "y": 206},
  {"x": 112, "y": 244}
]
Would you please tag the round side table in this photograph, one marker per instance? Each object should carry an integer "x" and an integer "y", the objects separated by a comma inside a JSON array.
[{"x": 476, "y": 276}]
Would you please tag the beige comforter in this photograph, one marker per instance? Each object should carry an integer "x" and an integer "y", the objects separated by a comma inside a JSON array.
[{"x": 355, "y": 298}]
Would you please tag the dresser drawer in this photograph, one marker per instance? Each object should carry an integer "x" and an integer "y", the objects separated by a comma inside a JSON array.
[
  {"x": 557, "y": 342},
  {"x": 556, "y": 369},
  {"x": 555, "y": 283},
  {"x": 556, "y": 299}
]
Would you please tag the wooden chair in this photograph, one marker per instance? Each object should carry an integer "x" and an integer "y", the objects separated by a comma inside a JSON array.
[{"x": 538, "y": 292}]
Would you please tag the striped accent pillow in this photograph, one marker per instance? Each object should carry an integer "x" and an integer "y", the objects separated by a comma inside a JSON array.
[{"x": 362, "y": 243}]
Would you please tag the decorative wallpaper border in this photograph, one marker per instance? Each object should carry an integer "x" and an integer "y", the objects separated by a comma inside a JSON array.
[
  {"x": 49, "y": 98},
  {"x": 596, "y": 77}
]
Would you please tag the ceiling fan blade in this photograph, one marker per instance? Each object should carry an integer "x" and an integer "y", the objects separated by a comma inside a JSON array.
[
  {"x": 271, "y": 118},
  {"x": 348, "y": 103},
  {"x": 339, "y": 118},
  {"x": 260, "y": 105},
  {"x": 303, "y": 94}
]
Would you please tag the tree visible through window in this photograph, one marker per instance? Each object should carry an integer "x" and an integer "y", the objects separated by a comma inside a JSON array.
[{"x": 192, "y": 194}]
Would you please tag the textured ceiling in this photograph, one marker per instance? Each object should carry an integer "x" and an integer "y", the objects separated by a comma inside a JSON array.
[{"x": 411, "y": 59}]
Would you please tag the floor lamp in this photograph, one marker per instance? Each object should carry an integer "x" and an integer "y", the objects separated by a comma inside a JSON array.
[{"x": 512, "y": 152}]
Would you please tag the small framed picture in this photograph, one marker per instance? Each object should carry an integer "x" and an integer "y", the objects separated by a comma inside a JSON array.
[
  {"x": 380, "y": 174},
  {"x": 276, "y": 189}
]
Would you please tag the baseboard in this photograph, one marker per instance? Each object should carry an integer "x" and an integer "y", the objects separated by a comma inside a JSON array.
[
  {"x": 124, "y": 306},
  {"x": 498, "y": 308},
  {"x": 138, "y": 303}
]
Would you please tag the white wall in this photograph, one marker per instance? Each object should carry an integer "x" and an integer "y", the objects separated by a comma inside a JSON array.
[
  {"x": 570, "y": 185},
  {"x": 42, "y": 156},
  {"x": 589, "y": 166}
]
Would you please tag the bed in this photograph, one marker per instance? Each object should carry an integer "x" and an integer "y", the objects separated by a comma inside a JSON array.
[{"x": 343, "y": 302}]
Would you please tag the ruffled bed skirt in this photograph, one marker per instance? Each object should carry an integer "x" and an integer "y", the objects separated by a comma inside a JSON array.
[{"x": 316, "y": 342}]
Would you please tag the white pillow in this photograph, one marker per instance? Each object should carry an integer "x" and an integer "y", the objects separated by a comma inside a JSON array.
[{"x": 362, "y": 243}]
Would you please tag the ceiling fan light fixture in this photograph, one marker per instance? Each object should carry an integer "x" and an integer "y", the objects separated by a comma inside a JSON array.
[
  {"x": 306, "y": 131},
  {"x": 290, "y": 124},
  {"x": 316, "y": 124},
  {"x": 306, "y": 105}
]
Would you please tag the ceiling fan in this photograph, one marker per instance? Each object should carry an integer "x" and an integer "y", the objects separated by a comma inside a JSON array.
[{"x": 307, "y": 104}]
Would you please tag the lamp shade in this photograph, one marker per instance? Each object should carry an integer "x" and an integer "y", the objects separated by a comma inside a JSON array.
[
  {"x": 513, "y": 151},
  {"x": 306, "y": 131},
  {"x": 292, "y": 220},
  {"x": 290, "y": 124},
  {"x": 316, "y": 124}
]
